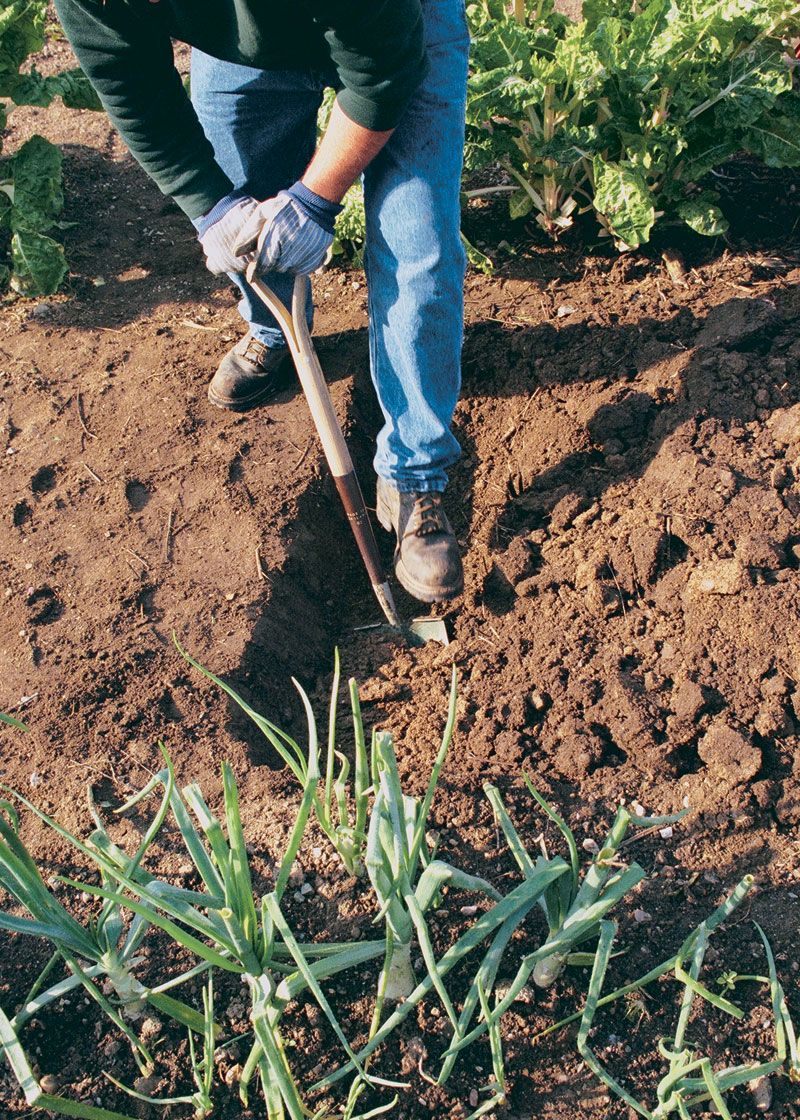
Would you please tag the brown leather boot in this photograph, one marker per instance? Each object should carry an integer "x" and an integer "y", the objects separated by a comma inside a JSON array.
[
  {"x": 426, "y": 561},
  {"x": 249, "y": 374}
]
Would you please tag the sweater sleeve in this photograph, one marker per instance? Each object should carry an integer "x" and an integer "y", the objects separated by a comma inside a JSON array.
[
  {"x": 378, "y": 49},
  {"x": 127, "y": 56}
]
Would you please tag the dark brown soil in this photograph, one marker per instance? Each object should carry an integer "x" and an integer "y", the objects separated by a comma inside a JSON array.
[{"x": 628, "y": 505}]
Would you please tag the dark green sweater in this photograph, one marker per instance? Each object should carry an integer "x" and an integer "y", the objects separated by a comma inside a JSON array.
[{"x": 124, "y": 47}]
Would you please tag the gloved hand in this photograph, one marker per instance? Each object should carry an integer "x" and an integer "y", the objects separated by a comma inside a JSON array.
[
  {"x": 298, "y": 235},
  {"x": 218, "y": 232}
]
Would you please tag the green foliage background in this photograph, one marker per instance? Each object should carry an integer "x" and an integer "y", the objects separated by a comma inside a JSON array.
[{"x": 627, "y": 111}]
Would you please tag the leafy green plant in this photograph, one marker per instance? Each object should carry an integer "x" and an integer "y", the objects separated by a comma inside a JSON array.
[
  {"x": 627, "y": 110},
  {"x": 31, "y": 198}
]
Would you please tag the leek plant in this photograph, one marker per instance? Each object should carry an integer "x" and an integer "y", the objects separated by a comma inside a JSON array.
[
  {"x": 202, "y": 1067},
  {"x": 227, "y": 928},
  {"x": 406, "y": 878}
]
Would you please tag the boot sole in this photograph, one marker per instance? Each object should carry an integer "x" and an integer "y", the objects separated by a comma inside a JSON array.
[
  {"x": 244, "y": 404},
  {"x": 420, "y": 591}
]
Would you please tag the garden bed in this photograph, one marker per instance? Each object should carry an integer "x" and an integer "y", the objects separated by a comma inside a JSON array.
[{"x": 628, "y": 505}]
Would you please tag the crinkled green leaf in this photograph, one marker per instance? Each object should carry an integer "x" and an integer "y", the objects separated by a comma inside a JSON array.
[
  {"x": 32, "y": 89},
  {"x": 622, "y": 197},
  {"x": 21, "y": 31},
  {"x": 702, "y": 214},
  {"x": 38, "y": 197},
  {"x": 75, "y": 90},
  {"x": 775, "y": 140},
  {"x": 38, "y": 264},
  {"x": 520, "y": 204}
]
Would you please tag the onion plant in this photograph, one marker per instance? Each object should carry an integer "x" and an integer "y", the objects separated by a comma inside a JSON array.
[
  {"x": 346, "y": 833},
  {"x": 691, "y": 1079},
  {"x": 226, "y": 927},
  {"x": 100, "y": 954}
]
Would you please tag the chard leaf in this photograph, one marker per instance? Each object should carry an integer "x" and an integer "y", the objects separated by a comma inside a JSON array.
[
  {"x": 75, "y": 90},
  {"x": 702, "y": 214},
  {"x": 31, "y": 89},
  {"x": 775, "y": 140},
  {"x": 623, "y": 199},
  {"x": 520, "y": 204},
  {"x": 38, "y": 263},
  {"x": 38, "y": 197}
]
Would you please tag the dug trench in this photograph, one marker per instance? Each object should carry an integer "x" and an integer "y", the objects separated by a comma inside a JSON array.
[{"x": 627, "y": 502}]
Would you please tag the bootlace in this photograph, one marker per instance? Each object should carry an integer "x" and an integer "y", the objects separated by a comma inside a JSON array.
[
  {"x": 254, "y": 352},
  {"x": 429, "y": 513}
]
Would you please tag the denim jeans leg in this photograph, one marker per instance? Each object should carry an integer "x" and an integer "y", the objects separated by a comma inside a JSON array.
[
  {"x": 415, "y": 264},
  {"x": 262, "y": 127}
]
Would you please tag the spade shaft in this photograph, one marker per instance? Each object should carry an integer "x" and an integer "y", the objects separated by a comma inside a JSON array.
[{"x": 337, "y": 454}]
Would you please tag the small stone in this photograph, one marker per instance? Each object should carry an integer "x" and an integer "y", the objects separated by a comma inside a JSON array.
[
  {"x": 150, "y": 1028},
  {"x": 306, "y": 889},
  {"x": 538, "y": 702},
  {"x": 667, "y": 832},
  {"x": 717, "y": 577},
  {"x": 34, "y": 779},
  {"x": 642, "y": 916},
  {"x": 590, "y": 845},
  {"x": 564, "y": 310},
  {"x": 473, "y": 1098},
  {"x": 50, "y": 1083},
  {"x": 233, "y": 1075},
  {"x": 146, "y": 1085},
  {"x": 761, "y": 1091},
  {"x": 469, "y": 911}
]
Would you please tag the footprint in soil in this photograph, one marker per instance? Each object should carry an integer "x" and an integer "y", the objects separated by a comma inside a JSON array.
[
  {"x": 22, "y": 513},
  {"x": 45, "y": 606},
  {"x": 44, "y": 480},
  {"x": 137, "y": 495}
]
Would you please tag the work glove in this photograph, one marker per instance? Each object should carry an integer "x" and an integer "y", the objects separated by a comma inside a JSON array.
[{"x": 297, "y": 226}]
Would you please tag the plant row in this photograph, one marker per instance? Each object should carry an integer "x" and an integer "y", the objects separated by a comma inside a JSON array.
[{"x": 381, "y": 834}]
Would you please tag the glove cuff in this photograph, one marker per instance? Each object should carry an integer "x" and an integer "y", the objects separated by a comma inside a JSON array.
[
  {"x": 320, "y": 210},
  {"x": 217, "y": 211}
]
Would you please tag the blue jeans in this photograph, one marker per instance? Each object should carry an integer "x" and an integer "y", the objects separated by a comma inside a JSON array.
[{"x": 262, "y": 126}]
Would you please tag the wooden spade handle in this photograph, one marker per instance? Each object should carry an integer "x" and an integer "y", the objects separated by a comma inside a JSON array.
[{"x": 337, "y": 454}]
